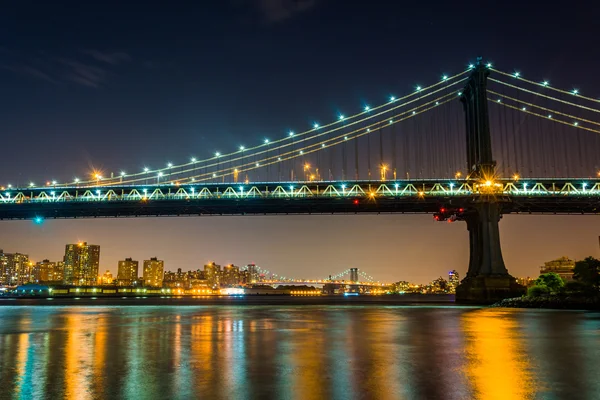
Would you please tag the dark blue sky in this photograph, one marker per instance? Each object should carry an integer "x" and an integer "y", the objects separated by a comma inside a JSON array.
[{"x": 120, "y": 84}]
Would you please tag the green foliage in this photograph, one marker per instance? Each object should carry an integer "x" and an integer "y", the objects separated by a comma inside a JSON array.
[
  {"x": 538, "y": 291},
  {"x": 587, "y": 272},
  {"x": 550, "y": 280},
  {"x": 575, "y": 287}
]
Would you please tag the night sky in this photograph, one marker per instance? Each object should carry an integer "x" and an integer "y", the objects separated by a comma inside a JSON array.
[{"x": 117, "y": 85}]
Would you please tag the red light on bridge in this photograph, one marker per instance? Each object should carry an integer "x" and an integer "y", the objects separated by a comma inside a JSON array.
[
  {"x": 355, "y": 202},
  {"x": 442, "y": 210},
  {"x": 461, "y": 210},
  {"x": 436, "y": 217}
]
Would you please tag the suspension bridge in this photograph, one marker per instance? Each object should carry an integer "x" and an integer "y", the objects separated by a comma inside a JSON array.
[
  {"x": 407, "y": 155},
  {"x": 350, "y": 276}
]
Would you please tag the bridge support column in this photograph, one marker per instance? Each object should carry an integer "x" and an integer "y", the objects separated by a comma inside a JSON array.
[{"x": 487, "y": 279}]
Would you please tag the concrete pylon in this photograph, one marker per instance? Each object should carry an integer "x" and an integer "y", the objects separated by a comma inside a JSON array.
[{"x": 487, "y": 279}]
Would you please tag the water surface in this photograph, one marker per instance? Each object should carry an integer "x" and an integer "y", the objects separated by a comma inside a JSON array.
[{"x": 297, "y": 352}]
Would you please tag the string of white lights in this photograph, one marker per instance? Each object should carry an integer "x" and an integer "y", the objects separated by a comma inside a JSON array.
[
  {"x": 148, "y": 173},
  {"x": 547, "y": 117},
  {"x": 282, "y": 156},
  {"x": 324, "y": 145},
  {"x": 546, "y": 84},
  {"x": 576, "y": 122},
  {"x": 544, "y": 95}
]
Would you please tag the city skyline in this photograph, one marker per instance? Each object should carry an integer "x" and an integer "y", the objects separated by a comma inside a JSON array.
[{"x": 413, "y": 260}]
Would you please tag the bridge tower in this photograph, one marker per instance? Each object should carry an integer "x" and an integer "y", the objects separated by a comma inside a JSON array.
[{"x": 487, "y": 278}]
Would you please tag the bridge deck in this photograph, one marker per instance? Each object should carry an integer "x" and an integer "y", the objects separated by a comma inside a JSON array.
[{"x": 415, "y": 196}]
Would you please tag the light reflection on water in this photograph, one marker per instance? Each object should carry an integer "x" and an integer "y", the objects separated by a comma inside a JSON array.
[{"x": 297, "y": 352}]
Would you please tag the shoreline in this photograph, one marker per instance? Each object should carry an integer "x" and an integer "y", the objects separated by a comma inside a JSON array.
[
  {"x": 246, "y": 300},
  {"x": 551, "y": 303}
]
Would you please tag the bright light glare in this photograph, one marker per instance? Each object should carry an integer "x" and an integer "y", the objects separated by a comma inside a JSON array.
[
  {"x": 341, "y": 117},
  {"x": 392, "y": 98},
  {"x": 242, "y": 148},
  {"x": 367, "y": 108},
  {"x": 169, "y": 165},
  {"x": 545, "y": 83},
  {"x": 146, "y": 169},
  {"x": 217, "y": 154}
]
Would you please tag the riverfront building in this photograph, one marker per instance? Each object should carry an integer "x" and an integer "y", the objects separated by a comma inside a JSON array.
[
  {"x": 81, "y": 262},
  {"x": 153, "y": 272},
  {"x": 212, "y": 273},
  {"x": 47, "y": 271},
  {"x": 127, "y": 272},
  {"x": 15, "y": 268},
  {"x": 562, "y": 266}
]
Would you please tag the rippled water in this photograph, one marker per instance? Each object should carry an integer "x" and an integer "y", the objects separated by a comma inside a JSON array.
[{"x": 297, "y": 352}]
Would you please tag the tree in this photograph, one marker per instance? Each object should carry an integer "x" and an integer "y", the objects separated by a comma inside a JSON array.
[
  {"x": 587, "y": 272},
  {"x": 537, "y": 291},
  {"x": 552, "y": 281}
]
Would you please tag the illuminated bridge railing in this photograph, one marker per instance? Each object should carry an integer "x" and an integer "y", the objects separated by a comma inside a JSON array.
[{"x": 362, "y": 189}]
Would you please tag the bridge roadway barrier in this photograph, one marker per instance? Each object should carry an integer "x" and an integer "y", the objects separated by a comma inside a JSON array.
[{"x": 579, "y": 196}]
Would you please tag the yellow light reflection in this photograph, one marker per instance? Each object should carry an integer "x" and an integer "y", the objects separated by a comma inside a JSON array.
[
  {"x": 497, "y": 365},
  {"x": 78, "y": 363}
]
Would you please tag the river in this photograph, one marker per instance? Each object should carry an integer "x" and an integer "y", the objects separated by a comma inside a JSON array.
[{"x": 297, "y": 352}]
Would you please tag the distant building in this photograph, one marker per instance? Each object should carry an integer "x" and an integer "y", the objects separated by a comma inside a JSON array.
[
  {"x": 15, "y": 268},
  {"x": 230, "y": 275},
  {"x": 107, "y": 278},
  {"x": 562, "y": 266},
  {"x": 527, "y": 282},
  {"x": 47, "y": 271},
  {"x": 353, "y": 274},
  {"x": 153, "y": 272},
  {"x": 212, "y": 273},
  {"x": 253, "y": 275},
  {"x": 127, "y": 272},
  {"x": 401, "y": 287},
  {"x": 82, "y": 262},
  {"x": 185, "y": 280},
  {"x": 438, "y": 286},
  {"x": 453, "y": 281}
]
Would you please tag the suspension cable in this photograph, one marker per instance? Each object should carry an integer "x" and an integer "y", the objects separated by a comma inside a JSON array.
[
  {"x": 198, "y": 163},
  {"x": 543, "y": 116},
  {"x": 545, "y": 86},
  {"x": 243, "y": 154},
  {"x": 543, "y": 95},
  {"x": 315, "y": 147},
  {"x": 543, "y": 108}
]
